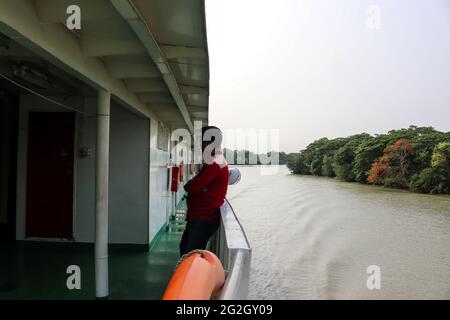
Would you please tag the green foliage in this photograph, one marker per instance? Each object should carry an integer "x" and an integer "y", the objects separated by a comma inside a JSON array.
[
  {"x": 342, "y": 163},
  {"x": 327, "y": 166},
  {"x": 424, "y": 143},
  {"x": 429, "y": 181},
  {"x": 435, "y": 180},
  {"x": 344, "y": 156},
  {"x": 416, "y": 157},
  {"x": 395, "y": 181},
  {"x": 441, "y": 156},
  {"x": 365, "y": 154},
  {"x": 298, "y": 166},
  {"x": 316, "y": 166}
]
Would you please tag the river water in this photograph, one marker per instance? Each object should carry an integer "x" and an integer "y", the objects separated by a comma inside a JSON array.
[{"x": 314, "y": 238}]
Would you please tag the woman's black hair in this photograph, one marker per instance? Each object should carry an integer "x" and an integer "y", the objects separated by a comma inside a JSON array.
[{"x": 216, "y": 135}]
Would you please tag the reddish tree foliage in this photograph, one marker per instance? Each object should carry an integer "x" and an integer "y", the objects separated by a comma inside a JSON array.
[
  {"x": 399, "y": 155},
  {"x": 379, "y": 170},
  {"x": 395, "y": 161}
]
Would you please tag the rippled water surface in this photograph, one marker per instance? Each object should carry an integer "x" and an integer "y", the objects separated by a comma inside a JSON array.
[{"x": 313, "y": 238}]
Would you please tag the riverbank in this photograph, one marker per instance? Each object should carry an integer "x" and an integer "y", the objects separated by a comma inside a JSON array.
[
  {"x": 416, "y": 158},
  {"x": 374, "y": 186}
]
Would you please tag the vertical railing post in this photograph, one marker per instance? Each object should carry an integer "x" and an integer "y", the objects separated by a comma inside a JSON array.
[{"x": 101, "y": 195}]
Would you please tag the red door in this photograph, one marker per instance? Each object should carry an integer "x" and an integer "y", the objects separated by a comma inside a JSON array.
[{"x": 50, "y": 175}]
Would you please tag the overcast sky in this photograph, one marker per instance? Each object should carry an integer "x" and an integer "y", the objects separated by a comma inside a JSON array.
[{"x": 313, "y": 68}]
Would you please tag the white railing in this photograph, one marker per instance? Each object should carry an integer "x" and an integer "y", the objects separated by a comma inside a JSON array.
[{"x": 230, "y": 244}]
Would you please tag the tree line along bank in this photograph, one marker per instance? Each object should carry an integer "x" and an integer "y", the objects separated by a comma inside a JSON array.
[{"x": 415, "y": 158}]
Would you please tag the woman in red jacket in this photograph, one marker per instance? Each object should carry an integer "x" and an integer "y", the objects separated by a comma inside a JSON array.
[{"x": 205, "y": 193}]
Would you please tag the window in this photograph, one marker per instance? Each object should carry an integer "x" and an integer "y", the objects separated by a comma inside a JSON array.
[{"x": 163, "y": 137}]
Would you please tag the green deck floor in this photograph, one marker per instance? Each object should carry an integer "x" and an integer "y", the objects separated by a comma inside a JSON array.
[{"x": 36, "y": 270}]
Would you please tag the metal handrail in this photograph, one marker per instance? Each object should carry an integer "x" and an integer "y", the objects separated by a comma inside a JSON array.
[{"x": 231, "y": 245}]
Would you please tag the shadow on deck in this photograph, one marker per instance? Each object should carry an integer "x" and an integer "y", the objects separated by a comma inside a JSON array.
[{"x": 37, "y": 270}]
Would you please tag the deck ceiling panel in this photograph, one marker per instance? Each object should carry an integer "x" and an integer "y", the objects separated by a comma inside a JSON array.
[
  {"x": 178, "y": 28},
  {"x": 129, "y": 70},
  {"x": 191, "y": 75},
  {"x": 39, "y": 26},
  {"x": 197, "y": 99},
  {"x": 173, "y": 52},
  {"x": 164, "y": 106},
  {"x": 106, "y": 35},
  {"x": 170, "y": 118},
  {"x": 156, "y": 97},
  {"x": 143, "y": 85},
  {"x": 175, "y": 22},
  {"x": 111, "y": 28},
  {"x": 191, "y": 61},
  {"x": 197, "y": 109},
  {"x": 168, "y": 113},
  {"x": 94, "y": 46},
  {"x": 200, "y": 115},
  {"x": 132, "y": 66},
  {"x": 54, "y": 11},
  {"x": 185, "y": 89},
  {"x": 146, "y": 52}
]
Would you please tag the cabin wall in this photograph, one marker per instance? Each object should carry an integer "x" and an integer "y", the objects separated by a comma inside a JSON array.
[
  {"x": 129, "y": 177},
  {"x": 86, "y": 131},
  {"x": 160, "y": 198},
  {"x": 129, "y": 172}
]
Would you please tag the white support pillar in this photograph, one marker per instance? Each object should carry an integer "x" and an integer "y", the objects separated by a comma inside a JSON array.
[{"x": 101, "y": 195}]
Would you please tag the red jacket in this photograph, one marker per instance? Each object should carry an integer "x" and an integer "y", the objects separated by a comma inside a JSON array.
[{"x": 207, "y": 191}]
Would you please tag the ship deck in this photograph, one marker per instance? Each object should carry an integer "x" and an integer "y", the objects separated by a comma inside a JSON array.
[{"x": 37, "y": 270}]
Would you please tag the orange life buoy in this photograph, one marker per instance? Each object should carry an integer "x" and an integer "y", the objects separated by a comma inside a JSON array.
[{"x": 199, "y": 277}]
